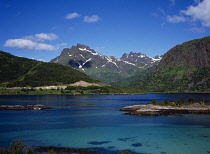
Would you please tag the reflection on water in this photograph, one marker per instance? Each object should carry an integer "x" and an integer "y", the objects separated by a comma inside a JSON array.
[{"x": 95, "y": 122}]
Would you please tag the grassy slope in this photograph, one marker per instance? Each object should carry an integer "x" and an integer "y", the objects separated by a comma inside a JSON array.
[{"x": 177, "y": 79}]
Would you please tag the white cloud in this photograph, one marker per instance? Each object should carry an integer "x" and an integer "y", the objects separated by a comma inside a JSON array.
[
  {"x": 28, "y": 45},
  {"x": 197, "y": 1},
  {"x": 175, "y": 19},
  {"x": 93, "y": 18},
  {"x": 41, "y": 37},
  {"x": 197, "y": 30},
  {"x": 34, "y": 42},
  {"x": 72, "y": 15},
  {"x": 200, "y": 12},
  {"x": 46, "y": 37}
]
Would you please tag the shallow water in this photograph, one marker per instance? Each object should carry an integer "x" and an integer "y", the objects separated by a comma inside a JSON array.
[{"x": 93, "y": 121}]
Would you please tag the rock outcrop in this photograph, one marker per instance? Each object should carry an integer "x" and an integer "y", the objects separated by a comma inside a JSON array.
[
  {"x": 149, "y": 109},
  {"x": 24, "y": 107}
]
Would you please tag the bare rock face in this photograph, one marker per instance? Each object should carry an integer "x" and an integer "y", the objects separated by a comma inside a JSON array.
[
  {"x": 157, "y": 110},
  {"x": 192, "y": 53},
  {"x": 24, "y": 107},
  {"x": 144, "y": 60}
]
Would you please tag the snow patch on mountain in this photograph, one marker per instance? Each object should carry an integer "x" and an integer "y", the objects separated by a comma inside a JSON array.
[
  {"x": 129, "y": 63},
  {"x": 82, "y": 56},
  {"x": 85, "y": 49},
  {"x": 86, "y": 61},
  {"x": 110, "y": 61}
]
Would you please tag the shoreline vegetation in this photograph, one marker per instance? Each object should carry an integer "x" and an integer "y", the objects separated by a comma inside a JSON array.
[
  {"x": 68, "y": 90},
  {"x": 168, "y": 108},
  {"x": 19, "y": 147},
  {"x": 23, "y": 91},
  {"x": 75, "y": 90}
]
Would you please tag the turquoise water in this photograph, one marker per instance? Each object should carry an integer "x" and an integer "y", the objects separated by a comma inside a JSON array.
[{"x": 94, "y": 122}]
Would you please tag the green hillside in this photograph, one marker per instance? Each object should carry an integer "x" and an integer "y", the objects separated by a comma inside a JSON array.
[
  {"x": 176, "y": 79},
  {"x": 18, "y": 71},
  {"x": 12, "y": 67},
  {"x": 184, "y": 68}
]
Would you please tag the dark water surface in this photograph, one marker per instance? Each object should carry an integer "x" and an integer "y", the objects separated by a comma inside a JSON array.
[{"x": 93, "y": 121}]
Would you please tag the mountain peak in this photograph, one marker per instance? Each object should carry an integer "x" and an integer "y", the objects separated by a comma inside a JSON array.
[
  {"x": 82, "y": 46},
  {"x": 141, "y": 58}
]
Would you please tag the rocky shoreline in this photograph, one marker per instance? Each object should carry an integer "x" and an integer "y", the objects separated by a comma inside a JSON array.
[
  {"x": 64, "y": 150},
  {"x": 157, "y": 110},
  {"x": 25, "y": 107}
]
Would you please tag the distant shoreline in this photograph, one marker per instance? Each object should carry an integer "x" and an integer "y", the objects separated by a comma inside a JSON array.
[
  {"x": 66, "y": 94},
  {"x": 109, "y": 93}
]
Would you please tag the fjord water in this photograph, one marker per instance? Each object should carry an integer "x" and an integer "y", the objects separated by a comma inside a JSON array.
[{"x": 95, "y": 122}]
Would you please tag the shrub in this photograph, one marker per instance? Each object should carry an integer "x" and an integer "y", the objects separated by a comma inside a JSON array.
[
  {"x": 29, "y": 151},
  {"x": 3, "y": 151},
  {"x": 125, "y": 152},
  {"x": 17, "y": 147},
  {"x": 51, "y": 152}
]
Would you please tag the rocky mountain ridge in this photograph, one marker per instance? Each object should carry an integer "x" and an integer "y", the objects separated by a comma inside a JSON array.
[
  {"x": 143, "y": 59},
  {"x": 104, "y": 68}
]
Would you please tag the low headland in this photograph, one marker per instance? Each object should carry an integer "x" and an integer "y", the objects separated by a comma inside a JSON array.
[
  {"x": 25, "y": 107},
  {"x": 168, "y": 108}
]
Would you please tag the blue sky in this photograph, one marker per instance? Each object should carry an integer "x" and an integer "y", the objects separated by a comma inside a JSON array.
[{"x": 40, "y": 29}]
